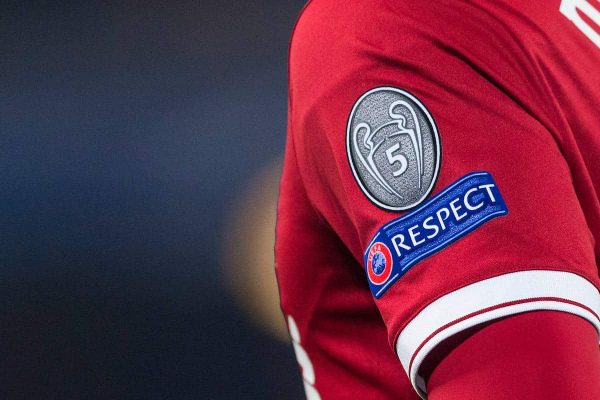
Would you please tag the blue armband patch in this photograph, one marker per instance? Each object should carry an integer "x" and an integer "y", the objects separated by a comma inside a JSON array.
[{"x": 445, "y": 218}]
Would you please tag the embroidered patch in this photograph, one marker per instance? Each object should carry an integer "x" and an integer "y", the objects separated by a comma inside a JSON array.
[
  {"x": 393, "y": 148},
  {"x": 445, "y": 218}
]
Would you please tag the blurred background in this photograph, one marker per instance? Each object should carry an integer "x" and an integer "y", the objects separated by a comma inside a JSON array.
[{"x": 140, "y": 144}]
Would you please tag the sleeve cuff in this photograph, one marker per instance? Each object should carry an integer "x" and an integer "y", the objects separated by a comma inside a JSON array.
[{"x": 488, "y": 300}]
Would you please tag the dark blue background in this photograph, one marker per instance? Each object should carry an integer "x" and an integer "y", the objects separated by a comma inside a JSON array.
[{"x": 126, "y": 128}]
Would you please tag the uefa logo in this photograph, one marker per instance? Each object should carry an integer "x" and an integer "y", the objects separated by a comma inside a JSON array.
[{"x": 379, "y": 263}]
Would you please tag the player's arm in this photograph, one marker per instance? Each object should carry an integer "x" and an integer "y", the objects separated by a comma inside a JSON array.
[{"x": 430, "y": 164}]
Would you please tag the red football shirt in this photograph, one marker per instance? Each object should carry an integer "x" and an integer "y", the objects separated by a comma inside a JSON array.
[{"x": 442, "y": 170}]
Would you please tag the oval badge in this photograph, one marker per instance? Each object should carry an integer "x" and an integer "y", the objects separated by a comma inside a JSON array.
[
  {"x": 393, "y": 147},
  {"x": 379, "y": 263}
]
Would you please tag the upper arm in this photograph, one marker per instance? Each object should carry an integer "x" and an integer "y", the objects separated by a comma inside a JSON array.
[{"x": 519, "y": 244}]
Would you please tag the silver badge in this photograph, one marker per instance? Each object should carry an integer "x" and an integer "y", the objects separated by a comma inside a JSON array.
[{"x": 393, "y": 147}]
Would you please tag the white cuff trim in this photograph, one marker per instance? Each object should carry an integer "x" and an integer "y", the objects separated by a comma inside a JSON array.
[{"x": 491, "y": 299}]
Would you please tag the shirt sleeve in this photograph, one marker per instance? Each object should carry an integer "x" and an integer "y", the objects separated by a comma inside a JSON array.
[
  {"x": 517, "y": 358},
  {"x": 448, "y": 187}
]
